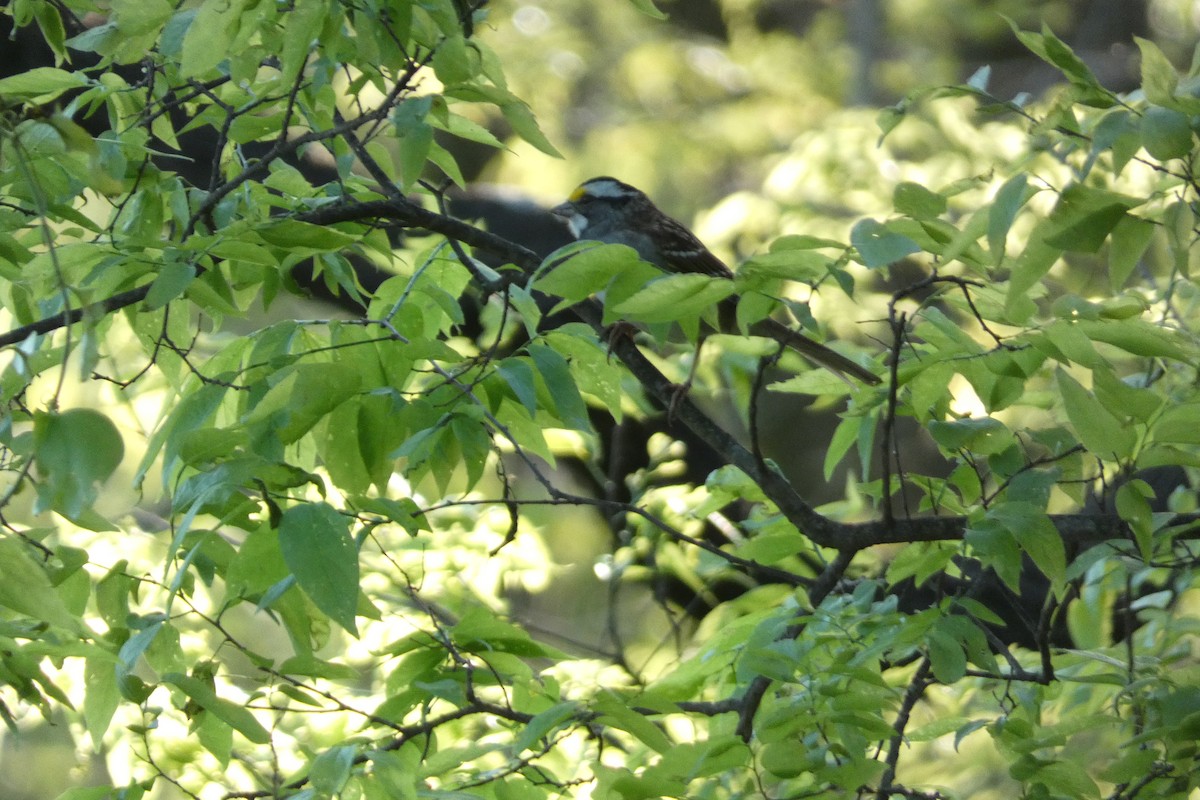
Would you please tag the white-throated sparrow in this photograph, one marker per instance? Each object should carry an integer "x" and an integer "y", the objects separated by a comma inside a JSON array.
[{"x": 606, "y": 210}]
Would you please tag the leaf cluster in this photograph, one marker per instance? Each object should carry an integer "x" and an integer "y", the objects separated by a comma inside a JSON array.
[{"x": 350, "y": 509}]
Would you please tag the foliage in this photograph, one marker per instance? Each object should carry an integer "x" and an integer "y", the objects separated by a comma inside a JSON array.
[{"x": 312, "y": 589}]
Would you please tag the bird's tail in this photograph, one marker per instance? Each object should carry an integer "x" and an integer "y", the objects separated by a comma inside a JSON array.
[{"x": 815, "y": 352}]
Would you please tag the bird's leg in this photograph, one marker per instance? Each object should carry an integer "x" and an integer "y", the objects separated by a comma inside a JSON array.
[
  {"x": 681, "y": 389},
  {"x": 617, "y": 331}
]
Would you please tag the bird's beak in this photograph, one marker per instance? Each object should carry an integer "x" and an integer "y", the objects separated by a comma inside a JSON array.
[{"x": 569, "y": 214}]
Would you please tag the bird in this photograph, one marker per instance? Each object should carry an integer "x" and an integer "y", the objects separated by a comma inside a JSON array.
[{"x": 607, "y": 210}]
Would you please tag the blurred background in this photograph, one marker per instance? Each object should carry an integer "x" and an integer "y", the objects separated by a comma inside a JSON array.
[{"x": 721, "y": 96}]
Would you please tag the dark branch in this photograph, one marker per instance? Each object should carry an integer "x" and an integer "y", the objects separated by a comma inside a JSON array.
[{"x": 1075, "y": 529}]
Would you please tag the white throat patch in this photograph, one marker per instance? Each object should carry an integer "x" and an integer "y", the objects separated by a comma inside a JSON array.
[{"x": 578, "y": 224}]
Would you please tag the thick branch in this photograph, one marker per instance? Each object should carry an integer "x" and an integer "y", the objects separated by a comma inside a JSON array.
[{"x": 1076, "y": 529}]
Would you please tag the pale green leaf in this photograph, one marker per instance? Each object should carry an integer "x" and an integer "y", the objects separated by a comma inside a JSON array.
[
  {"x": 1159, "y": 78},
  {"x": 582, "y": 269},
  {"x": 787, "y": 264},
  {"x": 300, "y": 236},
  {"x": 171, "y": 282},
  {"x": 526, "y": 126},
  {"x": 25, "y": 587},
  {"x": 648, "y": 8},
  {"x": 330, "y": 770},
  {"x": 675, "y": 297},
  {"x": 236, "y": 716},
  {"x": 1127, "y": 243},
  {"x": 1014, "y": 194},
  {"x": 75, "y": 452},
  {"x": 1133, "y": 506},
  {"x": 1166, "y": 133},
  {"x": 946, "y": 656},
  {"x": 302, "y": 26},
  {"x": 1098, "y": 430},
  {"x": 1036, "y": 535},
  {"x": 316, "y": 545},
  {"x": 102, "y": 697},
  {"x": 878, "y": 246},
  {"x": 41, "y": 84},
  {"x": 209, "y": 36},
  {"x": 1085, "y": 216},
  {"x": 1138, "y": 337},
  {"x": 566, "y": 402},
  {"x": 303, "y": 395},
  {"x": 914, "y": 200}
]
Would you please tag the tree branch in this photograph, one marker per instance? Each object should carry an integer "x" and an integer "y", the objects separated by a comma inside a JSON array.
[{"x": 1075, "y": 529}]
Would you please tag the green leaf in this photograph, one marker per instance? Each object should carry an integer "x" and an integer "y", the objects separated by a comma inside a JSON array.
[
  {"x": 1159, "y": 78},
  {"x": 566, "y": 401},
  {"x": 1098, "y": 430},
  {"x": 543, "y": 723},
  {"x": 648, "y": 8},
  {"x": 1133, "y": 506},
  {"x": 784, "y": 263},
  {"x": 1179, "y": 424},
  {"x": 1127, "y": 243},
  {"x": 1002, "y": 212},
  {"x": 102, "y": 697},
  {"x": 53, "y": 31},
  {"x": 481, "y": 631},
  {"x": 1062, "y": 56},
  {"x": 235, "y": 716},
  {"x": 920, "y": 561},
  {"x": 582, "y": 269},
  {"x": 982, "y": 435},
  {"x": 616, "y": 711},
  {"x": 1067, "y": 778},
  {"x": 878, "y": 246},
  {"x": 414, "y": 152},
  {"x": 172, "y": 280},
  {"x": 41, "y": 84},
  {"x": 473, "y": 445},
  {"x": 914, "y": 200},
  {"x": 592, "y": 370},
  {"x": 301, "y": 236},
  {"x": 675, "y": 297},
  {"x": 464, "y": 128},
  {"x": 304, "y": 394},
  {"x": 75, "y": 452},
  {"x": 138, "y": 17},
  {"x": 1036, "y": 535},
  {"x": 1132, "y": 766},
  {"x": 208, "y": 38},
  {"x": 844, "y": 437},
  {"x": 1085, "y": 216},
  {"x": 773, "y": 547},
  {"x": 1136, "y": 336},
  {"x": 300, "y": 29},
  {"x": 316, "y": 545},
  {"x": 816, "y": 382},
  {"x": 525, "y": 125},
  {"x": 26, "y": 588},
  {"x": 452, "y": 62},
  {"x": 1139, "y": 403},
  {"x": 946, "y": 656},
  {"x": 330, "y": 770},
  {"x": 1166, "y": 133},
  {"x": 1066, "y": 341},
  {"x": 1031, "y": 266}
]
